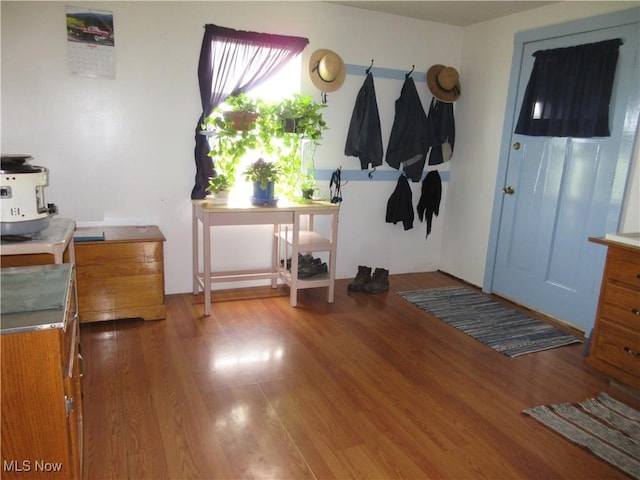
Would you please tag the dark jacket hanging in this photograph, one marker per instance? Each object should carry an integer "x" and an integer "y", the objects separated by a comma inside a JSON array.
[
  {"x": 364, "y": 139},
  {"x": 411, "y": 134},
  {"x": 444, "y": 128},
  {"x": 399, "y": 205},
  {"x": 429, "y": 204}
]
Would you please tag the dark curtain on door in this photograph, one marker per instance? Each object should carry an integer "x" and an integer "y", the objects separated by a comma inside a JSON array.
[
  {"x": 233, "y": 62},
  {"x": 569, "y": 91}
]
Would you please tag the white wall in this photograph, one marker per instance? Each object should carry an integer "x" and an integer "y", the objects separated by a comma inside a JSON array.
[
  {"x": 121, "y": 151},
  {"x": 486, "y": 66}
]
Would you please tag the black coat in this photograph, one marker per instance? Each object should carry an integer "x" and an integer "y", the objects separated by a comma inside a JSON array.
[
  {"x": 400, "y": 206},
  {"x": 429, "y": 204},
  {"x": 444, "y": 127},
  {"x": 364, "y": 139},
  {"x": 411, "y": 135}
]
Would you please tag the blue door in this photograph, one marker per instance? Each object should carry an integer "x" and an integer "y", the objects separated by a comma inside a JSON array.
[{"x": 554, "y": 193}]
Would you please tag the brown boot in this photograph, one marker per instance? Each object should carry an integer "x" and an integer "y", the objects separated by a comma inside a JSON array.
[
  {"x": 362, "y": 278},
  {"x": 379, "y": 282}
]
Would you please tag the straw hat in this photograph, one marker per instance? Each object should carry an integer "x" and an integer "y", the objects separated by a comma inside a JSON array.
[
  {"x": 444, "y": 83},
  {"x": 326, "y": 70}
]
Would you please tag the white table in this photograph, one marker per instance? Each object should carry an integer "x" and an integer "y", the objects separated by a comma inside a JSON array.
[{"x": 293, "y": 234}]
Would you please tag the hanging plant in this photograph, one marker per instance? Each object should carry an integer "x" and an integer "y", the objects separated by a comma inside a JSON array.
[{"x": 267, "y": 137}]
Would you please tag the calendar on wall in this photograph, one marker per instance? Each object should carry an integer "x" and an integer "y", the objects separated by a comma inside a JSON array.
[{"x": 90, "y": 42}]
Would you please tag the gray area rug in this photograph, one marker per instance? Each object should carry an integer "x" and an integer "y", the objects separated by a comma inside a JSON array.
[
  {"x": 498, "y": 326},
  {"x": 606, "y": 427}
]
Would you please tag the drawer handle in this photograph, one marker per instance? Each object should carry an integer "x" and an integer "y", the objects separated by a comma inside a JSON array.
[
  {"x": 635, "y": 311},
  {"x": 631, "y": 352},
  {"x": 82, "y": 365}
]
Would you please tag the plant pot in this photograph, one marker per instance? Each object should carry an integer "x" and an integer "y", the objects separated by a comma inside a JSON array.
[
  {"x": 290, "y": 125},
  {"x": 307, "y": 193},
  {"x": 263, "y": 197},
  {"x": 218, "y": 198},
  {"x": 241, "y": 120}
]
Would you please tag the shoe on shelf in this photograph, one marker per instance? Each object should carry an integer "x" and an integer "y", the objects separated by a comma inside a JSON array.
[
  {"x": 312, "y": 269},
  {"x": 379, "y": 282},
  {"x": 362, "y": 278}
]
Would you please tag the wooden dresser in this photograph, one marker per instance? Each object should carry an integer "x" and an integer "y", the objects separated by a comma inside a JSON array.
[
  {"x": 41, "y": 387},
  {"x": 615, "y": 342},
  {"x": 121, "y": 276}
]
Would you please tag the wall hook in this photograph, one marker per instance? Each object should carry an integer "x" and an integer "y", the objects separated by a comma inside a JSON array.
[
  {"x": 413, "y": 67},
  {"x": 369, "y": 69},
  {"x": 323, "y": 97}
]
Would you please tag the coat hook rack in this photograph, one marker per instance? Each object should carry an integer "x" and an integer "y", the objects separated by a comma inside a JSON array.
[
  {"x": 413, "y": 67},
  {"x": 369, "y": 69}
]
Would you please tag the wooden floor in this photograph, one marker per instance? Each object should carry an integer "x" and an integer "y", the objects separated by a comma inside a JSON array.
[{"x": 367, "y": 387}]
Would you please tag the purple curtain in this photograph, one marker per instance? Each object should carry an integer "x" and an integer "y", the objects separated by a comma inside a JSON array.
[
  {"x": 569, "y": 91},
  {"x": 233, "y": 62}
]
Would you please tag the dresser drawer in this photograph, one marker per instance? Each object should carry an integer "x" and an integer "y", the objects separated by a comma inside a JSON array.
[
  {"x": 621, "y": 305},
  {"x": 618, "y": 347},
  {"x": 623, "y": 267},
  {"x": 620, "y": 315}
]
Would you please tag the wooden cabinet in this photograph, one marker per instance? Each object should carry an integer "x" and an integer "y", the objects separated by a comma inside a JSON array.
[
  {"x": 121, "y": 276},
  {"x": 41, "y": 397},
  {"x": 615, "y": 342}
]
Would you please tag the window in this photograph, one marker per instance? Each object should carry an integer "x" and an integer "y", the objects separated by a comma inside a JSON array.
[
  {"x": 234, "y": 61},
  {"x": 281, "y": 85}
]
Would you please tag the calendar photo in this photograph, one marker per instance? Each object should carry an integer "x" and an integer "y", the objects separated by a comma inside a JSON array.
[{"x": 90, "y": 42}]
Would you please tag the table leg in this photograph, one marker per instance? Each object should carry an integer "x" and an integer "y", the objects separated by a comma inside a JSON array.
[
  {"x": 206, "y": 243},
  {"x": 195, "y": 252},
  {"x": 332, "y": 257},
  {"x": 295, "y": 248},
  {"x": 275, "y": 245}
]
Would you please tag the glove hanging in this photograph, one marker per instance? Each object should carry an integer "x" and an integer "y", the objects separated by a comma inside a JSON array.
[{"x": 429, "y": 203}]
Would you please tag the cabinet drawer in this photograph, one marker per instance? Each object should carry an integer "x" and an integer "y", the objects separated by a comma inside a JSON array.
[
  {"x": 624, "y": 268},
  {"x": 620, "y": 304},
  {"x": 118, "y": 253},
  {"x": 618, "y": 347},
  {"x": 621, "y": 315}
]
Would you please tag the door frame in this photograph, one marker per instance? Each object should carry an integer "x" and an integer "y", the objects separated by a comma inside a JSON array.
[{"x": 610, "y": 20}]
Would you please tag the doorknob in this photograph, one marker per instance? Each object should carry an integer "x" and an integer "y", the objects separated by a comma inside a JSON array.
[
  {"x": 516, "y": 146},
  {"x": 508, "y": 190}
]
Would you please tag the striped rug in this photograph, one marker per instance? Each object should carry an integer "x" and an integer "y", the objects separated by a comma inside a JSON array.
[
  {"x": 498, "y": 326},
  {"x": 606, "y": 427}
]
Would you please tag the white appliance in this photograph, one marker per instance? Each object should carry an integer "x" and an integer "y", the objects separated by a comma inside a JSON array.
[{"x": 24, "y": 210}]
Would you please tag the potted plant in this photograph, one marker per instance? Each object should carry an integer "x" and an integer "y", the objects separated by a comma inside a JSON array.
[
  {"x": 219, "y": 186},
  {"x": 244, "y": 111},
  {"x": 263, "y": 174},
  {"x": 225, "y": 178},
  {"x": 268, "y": 137},
  {"x": 307, "y": 186},
  {"x": 299, "y": 121},
  {"x": 299, "y": 114},
  {"x": 229, "y": 143}
]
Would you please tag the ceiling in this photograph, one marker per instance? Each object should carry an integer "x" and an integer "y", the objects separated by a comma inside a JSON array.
[{"x": 460, "y": 13}]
